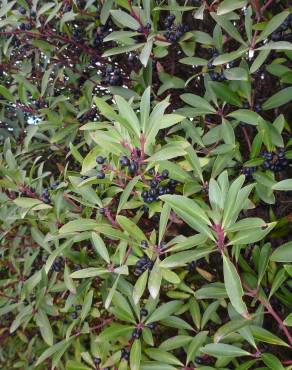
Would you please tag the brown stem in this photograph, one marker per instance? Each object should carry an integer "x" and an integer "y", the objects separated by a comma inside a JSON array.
[
  {"x": 247, "y": 139},
  {"x": 265, "y": 6},
  {"x": 254, "y": 293}
]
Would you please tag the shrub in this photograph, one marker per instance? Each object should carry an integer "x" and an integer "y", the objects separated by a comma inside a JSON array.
[{"x": 145, "y": 184}]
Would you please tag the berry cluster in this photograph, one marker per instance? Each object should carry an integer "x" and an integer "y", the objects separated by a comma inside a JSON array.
[
  {"x": 216, "y": 76},
  {"x": 248, "y": 171},
  {"x": 174, "y": 32},
  {"x": 74, "y": 314},
  {"x": 132, "y": 165},
  {"x": 45, "y": 197},
  {"x": 275, "y": 162},
  {"x": 113, "y": 76},
  {"x": 279, "y": 34},
  {"x": 142, "y": 265},
  {"x": 156, "y": 190}
]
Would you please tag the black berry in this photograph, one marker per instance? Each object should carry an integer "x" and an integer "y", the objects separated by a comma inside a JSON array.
[
  {"x": 100, "y": 175},
  {"x": 100, "y": 159}
]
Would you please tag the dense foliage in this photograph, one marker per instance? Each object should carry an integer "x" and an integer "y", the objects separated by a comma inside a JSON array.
[{"x": 145, "y": 177}]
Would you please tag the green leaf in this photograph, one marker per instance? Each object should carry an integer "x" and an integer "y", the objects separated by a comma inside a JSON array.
[
  {"x": 169, "y": 151},
  {"x": 44, "y": 325},
  {"x": 100, "y": 247},
  {"x": 272, "y": 361},
  {"x": 194, "y": 61},
  {"x": 145, "y": 108},
  {"x": 131, "y": 228},
  {"x": 282, "y": 97},
  {"x": 114, "y": 331},
  {"x": 175, "y": 342},
  {"x": 282, "y": 253},
  {"x": 224, "y": 93},
  {"x": 6, "y": 93},
  {"x": 228, "y": 6},
  {"x": 163, "y": 356},
  {"x": 236, "y": 74},
  {"x": 155, "y": 279},
  {"x": 259, "y": 60},
  {"x": 284, "y": 185},
  {"x": 194, "y": 161},
  {"x": 127, "y": 112},
  {"x": 140, "y": 286},
  {"x": 127, "y": 192},
  {"x": 88, "y": 272},
  {"x": 105, "y": 10},
  {"x": 272, "y": 25},
  {"x": 198, "y": 102},
  {"x": 233, "y": 287},
  {"x": 288, "y": 320},
  {"x": 252, "y": 236},
  {"x": 68, "y": 280},
  {"x": 195, "y": 345},
  {"x": 190, "y": 212},
  {"x": 164, "y": 216},
  {"x": 60, "y": 346},
  {"x": 146, "y": 52},
  {"x": 86, "y": 305},
  {"x": 224, "y": 350},
  {"x": 74, "y": 365},
  {"x": 125, "y": 19},
  {"x": 228, "y": 27},
  {"x": 229, "y": 328},
  {"x": 29, "y": 203},
  {"x": 89, "y": 162},
  {"x": 78, "y": 225},
  {"x": 264, "y": 258},
  {"x": 264, "y": 335},
  {"x": 164, "y": 311},
  {"x": 245, "y": 116},
  {"x": 182, "y": 258},
  {"x": 122, "y": 50},
  {"x": 135, "y": 355}
]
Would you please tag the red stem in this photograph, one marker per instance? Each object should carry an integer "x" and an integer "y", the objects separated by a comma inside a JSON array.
[
  {"x": 247, "y": 139},
  {"x": 265, "y": 6}
]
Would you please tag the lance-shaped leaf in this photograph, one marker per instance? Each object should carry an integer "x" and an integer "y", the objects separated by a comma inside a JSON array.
[
  {"x": 190, "y": 212},
  {"x": 224, "y": 350},
  {"x": 164, "y": 311},
  {"x": 131, "y": 228},
  {"x": 233, "y": 287},
  {"x": 99, "y": 246}
]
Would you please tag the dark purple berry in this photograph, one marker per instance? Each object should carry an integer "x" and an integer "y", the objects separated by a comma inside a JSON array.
[
  {"x": 124, "y": 161},
  {"x": 96, "y": 361},
  {"x": 151, "y": 326},
  {"x": 74, "y": 315},
  {"x": 165, "y": 174},
  {"x": 100, "y": 159},
  {"x": 143, "y": 312},
  {"x": 100, "y": 175},
  {"x": 22, "y": 10}
]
